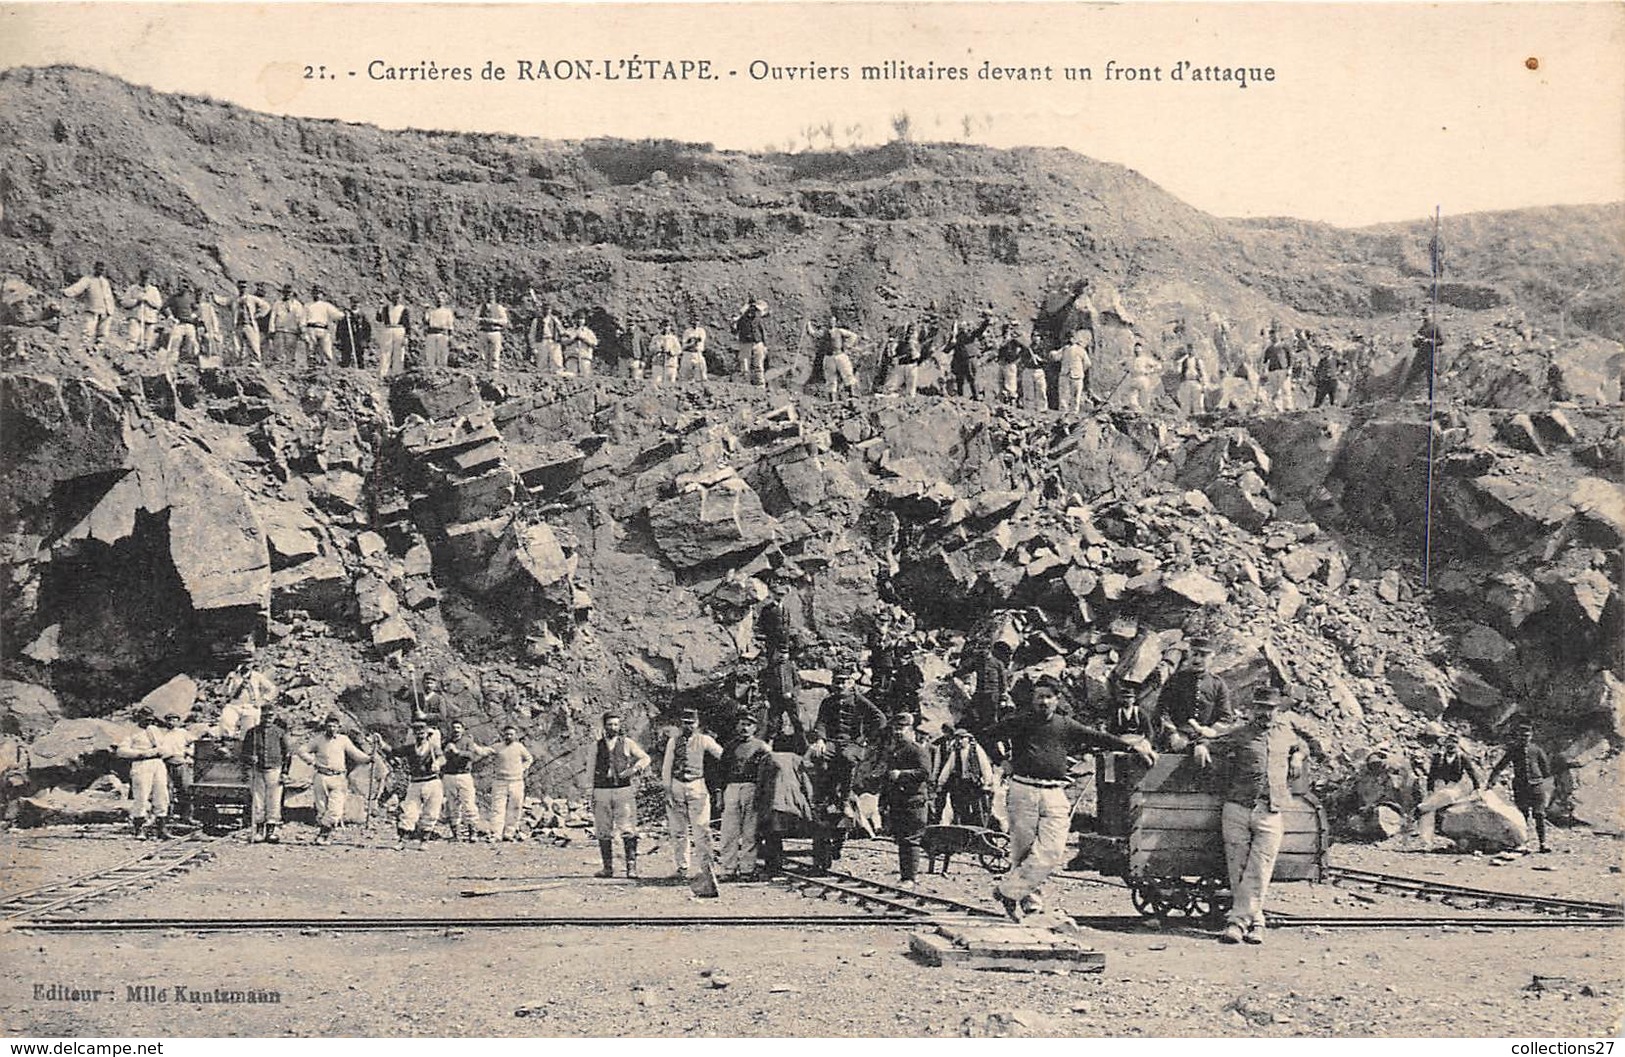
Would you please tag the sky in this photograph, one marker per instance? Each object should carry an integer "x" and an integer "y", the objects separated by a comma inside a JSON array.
[{"x": 1375, "y": 112}]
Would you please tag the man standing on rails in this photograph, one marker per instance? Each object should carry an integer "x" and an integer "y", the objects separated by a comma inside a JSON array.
[
  {"x": 617, "y": 761},
  {"x": 1260, "y": 756},
  {"x": 1039, "y": 811},
  {"x": 267, "y": 750}
]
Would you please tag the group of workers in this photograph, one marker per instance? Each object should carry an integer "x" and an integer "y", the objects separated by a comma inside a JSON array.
[{"x": 1053, "y": 354}]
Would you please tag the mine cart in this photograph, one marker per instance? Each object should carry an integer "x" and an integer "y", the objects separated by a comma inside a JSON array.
[
  {"x": 1158, "y": 828},
  {"x": 220, "y": 794}
]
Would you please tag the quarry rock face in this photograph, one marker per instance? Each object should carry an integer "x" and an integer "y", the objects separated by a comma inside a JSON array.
[{"x": 550, "y": 546}]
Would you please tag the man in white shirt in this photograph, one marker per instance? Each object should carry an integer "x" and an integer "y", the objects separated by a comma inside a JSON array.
[
  {"x": 320, "y": 317},
  {"x": 493, "y": 322},
  {"x": 688, "y": 801},
  {"x": 694, "y": 339},
  {"x": 665, "y": 352},
  {"x": 580, "y": 345},
  {"x": 437, "y": 339},
  {"x": 1074, "y": 380},
  {"x": 393, "y": 319},
  {"x": 97, "y": 291},
  {"x": 508, "y": 784},
  {"x": 330, "y": 753},
  {"x": 547, "y": 338},
  {"x": 287, "y": 327},
  {"x": 175, "y": 742},
  {"x": 149, "y": 777},
  {"x": 144, "y": 300},
  {"x": 246, "y": 312}
]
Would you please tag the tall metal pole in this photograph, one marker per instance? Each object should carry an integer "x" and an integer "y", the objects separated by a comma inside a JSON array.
[{"x": 1433, "y": 352}]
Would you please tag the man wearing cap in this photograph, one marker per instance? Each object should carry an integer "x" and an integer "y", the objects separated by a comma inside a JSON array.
[
  {"x": 457, "y": 779},
  {"x": 1193, "y": 701},
  {"x": 149, "y": 777},
  {"x": 247, "y": 311},
  {"x": 176, "y": 742},
  {"x": 694, "y": 339},
  {"x": 513, "y": 759},
  {"x": 1259, "y": 758},
  {"x": 965, "y": 779},
  {"x": 97, "y": 291},
  {"x": 425, "y": 792},
  {"x": 751, "y": 334},
  {"x": 1453, "y": 776},
  {"x": 580, "y": 345},
  {"x": 321, "y": 316},
  {"x": 287, "y": 327},
  {"x": 907, "y": 771},
  {"x": 393, "y": 319},
  {"x": 1128, "y": 718},
  {"x": 1074, "y": 375},
  {"x": 846, "y": 716},
  {"x": 1040, "y": 814},
  {"x": 666, "y": 352},
  {"x": 1278, "y": 370},
  {"x": 688, "y": 801},
  {"x": 616, "y": 762},
  {"x": 144, "y": 300},
  {"x": 1012, "y": 353},
  {"x": 741, "y": 766},
  {"x": 185, "y": 312},
  {"x": 1533, "y": 778},
  {"x": 547, "y": 338},
  {"x": 437, "y": 327},
  {"x": 267, "y": 749},
  {"x": 835, "y": 346},
  {"x": 493, "y": 323},
  {"x": 331, "y": 753},
  {"x": 353, "y": 334}
]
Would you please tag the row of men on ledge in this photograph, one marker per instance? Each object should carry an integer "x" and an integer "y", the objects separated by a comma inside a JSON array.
[
  {"x": 766, "y": 794},
  {"x": 1055, "y": 351}
]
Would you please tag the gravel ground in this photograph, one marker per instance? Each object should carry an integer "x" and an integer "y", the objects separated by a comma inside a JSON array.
[{"x": 811, "y": 980}]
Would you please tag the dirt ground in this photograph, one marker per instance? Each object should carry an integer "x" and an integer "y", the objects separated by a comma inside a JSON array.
[{"x": 810, "y": 980}]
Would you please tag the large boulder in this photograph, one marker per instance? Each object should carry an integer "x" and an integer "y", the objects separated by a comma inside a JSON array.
[
  {"x": 721, "y": 525},
  {"x": 76, "y": 743},
  {"x": 174, "y": 698},
  {"x": 1484, "y": 821},
  {"x": 27, "y": 709}
]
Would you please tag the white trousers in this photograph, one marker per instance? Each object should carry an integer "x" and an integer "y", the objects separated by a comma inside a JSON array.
[
  {"x": 331, "y": 791},
  {"x": 265, "y": 796},
  {"x": 507, "y": 803},
  {"x": 688, "y": 813},
  {"x": 614, "y": 813},
  {"x": 462, "y": 807},
  {"x": 1252, "y": 841},
  {"x": 1039, "y": 821},
  {"x": 391, "y": 351},
  {"x": 149, "y": 789},
  {"x": 423, "y": 802}
]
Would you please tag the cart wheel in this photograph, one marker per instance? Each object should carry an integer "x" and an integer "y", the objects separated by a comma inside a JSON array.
[
  {"x": 1205, "y": 903},
  {"x": 996, "y": 857},
  {"x": 1148, "y": 900},
  {"x": 1181, "y": 899}
]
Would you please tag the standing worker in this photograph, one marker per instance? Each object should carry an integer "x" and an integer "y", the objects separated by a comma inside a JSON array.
[
  {"x": 1074, "y": 378},
  {"x": 184, "y": 309},
  {"x": 247, "y": 314},
  {"x": 425, "y": 792},
  {"x": 513, "y": 759},
  {"x": 547, "y": 338},
  {"x": 665, "y": 353},
  {"x": 688, "y": 801},
  {"x": 149, "y": 778},
  {"x": 834, "y": 345},
  {"x": 330, "y": 753},
  {"x": 616, "y": 762},
  {"x": 145, "y": 301},
  {"x": 267, "y": 749},
  {"x": 742, "y": 764},
  {"x": 493, "y": 323},
  {"x": 1261, "y": 756},
  {"x": 1532, "y": 776},
  {"x": 437, "y": 332},
  {"x": 353, "y": 335},
  {"x": 393, "y": 319},
  {"x": 287, "y": 327},
  {"x": 457, "y": 779},
  {"x": 1039, "y": 812},
  {"x": 580, "y": 345},
  {"x": 1012, "y": 353},
  {"x": 907, "y": 771},
  {"x": 97, "y": 291},
  {"x": 320, "y": 317},
  {"x": 694, "y": 339},
  {"x": 1453, "y": 776},
  {"x": 964, "y": 344},
  {"x": 751, "y": 334},
  {"x": 965, "y": 781}
]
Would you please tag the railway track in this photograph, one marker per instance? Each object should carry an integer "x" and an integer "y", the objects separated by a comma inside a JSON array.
[
  {"x": 162, "y": 860},
  {"x": 453, "y": 924},
  {"x": 1461, "y": 895}
]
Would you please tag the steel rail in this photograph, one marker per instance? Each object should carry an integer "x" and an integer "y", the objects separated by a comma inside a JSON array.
[
  {"x": 167, "y": 858},
  {"x": 878, "y": 893},
  {"x": 406, "y": 924},
  {"x": 1423, "y": 889}
]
